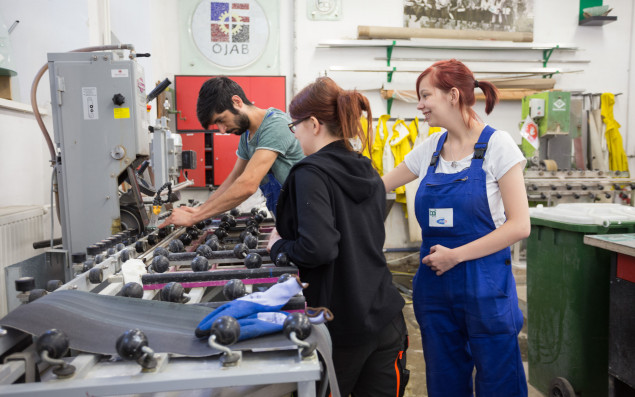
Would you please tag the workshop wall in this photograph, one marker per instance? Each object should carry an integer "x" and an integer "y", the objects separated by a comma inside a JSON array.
[{"x": 153, "y": 26}]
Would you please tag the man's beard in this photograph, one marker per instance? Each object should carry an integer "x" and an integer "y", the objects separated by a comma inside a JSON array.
[{"x": 242, "y": 124}]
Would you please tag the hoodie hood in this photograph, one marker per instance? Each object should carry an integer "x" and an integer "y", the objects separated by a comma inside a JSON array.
[{"x": 350, "y": 171}]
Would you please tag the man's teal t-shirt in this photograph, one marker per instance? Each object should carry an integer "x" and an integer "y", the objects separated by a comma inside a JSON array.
[{"x": 273, "y": 134}]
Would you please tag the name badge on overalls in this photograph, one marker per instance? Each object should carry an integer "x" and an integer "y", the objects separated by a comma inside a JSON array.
[{"x": 441, "y": 217}]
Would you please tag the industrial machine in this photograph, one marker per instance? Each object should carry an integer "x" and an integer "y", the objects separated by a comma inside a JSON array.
[
  {"x": 559, "y": 148},
  {"x": 129, "y": 316}
]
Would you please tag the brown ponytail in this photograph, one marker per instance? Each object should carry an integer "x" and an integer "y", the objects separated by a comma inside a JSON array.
[{"x": 340, "y": 110}]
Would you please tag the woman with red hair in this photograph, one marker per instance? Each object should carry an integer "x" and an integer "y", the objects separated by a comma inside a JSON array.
[{"x": 471, "y": 205}]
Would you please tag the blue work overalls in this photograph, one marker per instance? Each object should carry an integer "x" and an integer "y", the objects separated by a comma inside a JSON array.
[{"x": 469, "y": 316}]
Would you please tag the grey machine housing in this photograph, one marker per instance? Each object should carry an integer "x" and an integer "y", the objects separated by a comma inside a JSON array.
[{"x": 101, "y": 130}]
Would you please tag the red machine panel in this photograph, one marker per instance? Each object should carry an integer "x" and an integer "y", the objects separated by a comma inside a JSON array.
[
  {"x": 218, "y": 152},
  {"x": 195, "y": 142},
  {"x": 224, "y": 155}
]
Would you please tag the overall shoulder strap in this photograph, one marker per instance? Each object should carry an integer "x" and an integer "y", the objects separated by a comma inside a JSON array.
[
  {"x": 435, "y": 155},
  {"x": 481, "y": 145}
]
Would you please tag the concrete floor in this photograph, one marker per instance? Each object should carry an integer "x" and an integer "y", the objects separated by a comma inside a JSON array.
[{"x": 416, "y": 364}]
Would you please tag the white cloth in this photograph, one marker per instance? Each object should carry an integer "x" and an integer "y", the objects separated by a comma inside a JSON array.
[{"x": 501, "y": 155}]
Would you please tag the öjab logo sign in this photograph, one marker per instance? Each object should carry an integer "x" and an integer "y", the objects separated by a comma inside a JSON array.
[{"x": 231, "y": 34}]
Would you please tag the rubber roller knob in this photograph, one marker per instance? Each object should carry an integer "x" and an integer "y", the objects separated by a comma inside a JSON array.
[
  {"x": 160, "y": 264},
  {"x": 298, "y": 323},
  {"x": 234, "y": 289},
  {"x": 24, "y": 284},
  {"x": 250, "y": 241},
  {"x": 160, "y": 251},
  {"x": 52, "y": 285},
  {"x": 132, "y": 290},
  {"x": 241, "y": 251},
  {"x": 253, "y": 261},
  {"x": 54, "y": 342},
  {"x": 200, "y": 263},
  {"x": 234, "y": 212},
  {"x": 213, "y": 243},
  {"x": 205, "y": 251},
  {"x": 95, "y": 275},
  {"x": 282, "y": 259},
  {"x": 186, "y": 239},
  {"x": 131, "y": 343},
  {"x": 36, "y": 294},
  {"x": 172, "y": 292},
  {"x": 226, "y": 329}
]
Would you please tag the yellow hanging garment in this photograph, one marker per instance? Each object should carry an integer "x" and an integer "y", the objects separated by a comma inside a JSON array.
[
  {"x": 413, "y": 127},
  {"x": 401, "y": 143},
  {"x": 432, "y": 130},
  {"x": 381, "y": 136},
  {"x": 364, "y": 121},
  {"x": 617, "y": 155}
]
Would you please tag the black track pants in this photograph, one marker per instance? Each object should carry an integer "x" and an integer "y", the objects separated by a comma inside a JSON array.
[{"x": 377, "y": 368}]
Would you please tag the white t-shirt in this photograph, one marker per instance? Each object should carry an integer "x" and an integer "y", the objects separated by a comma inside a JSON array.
[{"x": 502, "y": 154}]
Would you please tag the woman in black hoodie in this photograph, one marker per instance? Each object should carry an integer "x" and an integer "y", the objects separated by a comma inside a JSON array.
[{"x": 331, "y": 225}]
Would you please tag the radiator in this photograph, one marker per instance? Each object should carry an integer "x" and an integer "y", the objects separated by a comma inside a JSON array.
[{"x": 20, "y": 226}]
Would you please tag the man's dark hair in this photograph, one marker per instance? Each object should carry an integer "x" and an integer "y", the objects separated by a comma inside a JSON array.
[{"x": 215, "y": 97}]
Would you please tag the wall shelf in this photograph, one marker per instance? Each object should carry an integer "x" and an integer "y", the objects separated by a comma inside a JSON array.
[{"x": 597, "y": 20}]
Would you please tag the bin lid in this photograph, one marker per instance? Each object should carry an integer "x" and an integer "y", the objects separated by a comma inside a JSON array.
[{"x": 601, "y": 214}]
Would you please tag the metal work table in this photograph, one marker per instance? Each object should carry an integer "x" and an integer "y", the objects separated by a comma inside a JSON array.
[{"x": 622, "y": 310}]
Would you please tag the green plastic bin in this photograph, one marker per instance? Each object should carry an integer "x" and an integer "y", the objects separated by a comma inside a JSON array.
[{"x": 568, "y": 297}]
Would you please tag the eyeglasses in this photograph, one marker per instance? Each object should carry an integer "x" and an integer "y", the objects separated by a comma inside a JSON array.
[{"x": 295, "y": 123}]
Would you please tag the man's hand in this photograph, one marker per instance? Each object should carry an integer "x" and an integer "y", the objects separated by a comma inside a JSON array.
[{"x": 182, "y": 216}]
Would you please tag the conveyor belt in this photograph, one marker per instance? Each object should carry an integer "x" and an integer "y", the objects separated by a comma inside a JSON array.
[{"x": 93, "y": 323}]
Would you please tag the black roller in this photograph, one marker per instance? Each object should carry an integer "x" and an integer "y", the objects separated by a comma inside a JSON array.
[
  {"x": 221, "y": 233},
  {"x": 253, "y": 261},
  {"x": 250, "y": 241},
  {"x": 160, "y": 251},
  {"x": 234, "y": 289},
  {"x": 52, "y": 285},
  {"x": 140, "y": 247},
  {"x": 152, "y": 239},
  {"x": 78, "y": 257},
  {"x": 186, "y": 239},
  {"x": 160, "y": 264},
  {"x": 298, "y": 323},
  {"x": 204, "y": 250},
  {"x": 226, "y": 329},
  {"x": 200, "y": 225},
  {"x": 87, "y": 265},
  {"x": 213, "y": 243},
  {"x": 95, "y": 275},
  {"x": 241, "y": 251},
  {"x": 37, "y": 293},
  {"x": 24, "y": 284},
  {"x": 254, "y": 211},
  {"x": 173, "y": 292},
  {"x": 192, "y": 231},
  {"x": 132, "y": 290},
  {"x": 175, "y": 246},
  {"x": 54, "y": 342},
  {"x": 131, "y": 343},
  {"x": 234, "y": 212},
  {"x": 99, "y": 258},
  {"x": 282, "y": 259},
  {"x": 200, "y": 264}
]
